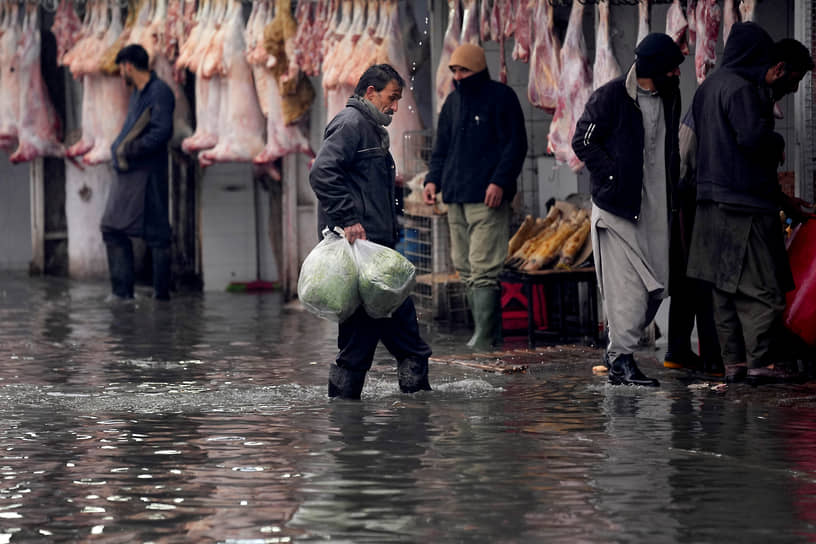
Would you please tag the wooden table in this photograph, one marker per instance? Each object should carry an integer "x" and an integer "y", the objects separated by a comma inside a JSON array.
[{"x": 587, "y": 329}]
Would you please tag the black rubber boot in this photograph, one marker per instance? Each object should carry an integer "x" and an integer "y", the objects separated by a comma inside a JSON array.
[
  {"x": 161, "y": 272},
  {"x": 486, "y": 310},
  {"x": 346, "y": 384},
  {"x": 120, "y": 268},
  {"x": 624, "y": 371},
  {"x": 413, "y": 375}
]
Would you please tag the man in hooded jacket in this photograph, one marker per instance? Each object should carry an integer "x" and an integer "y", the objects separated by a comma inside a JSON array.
[
  {"x": 737, "y": 242},
  {"x": 353, "y": 177},
  {"x": 627, "y": 137},
  {"x": 481, "y": 142}
]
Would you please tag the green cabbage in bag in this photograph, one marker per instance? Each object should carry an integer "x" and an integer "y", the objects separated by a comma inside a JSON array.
[
  {"x": 327, "y": 285},
  {"x": 385, "y": 278}
]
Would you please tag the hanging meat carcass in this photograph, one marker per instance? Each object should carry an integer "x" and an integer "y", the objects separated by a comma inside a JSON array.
[
  {"x": 523, "y": 28},
  {"x": 606, "y": 67},
  {"x": 66, "y": 27},
  {"x": 708, "y": 18},
  {"x": 208, "y": 86},
  {"x": 545, "y": 60},
  {"x": 38, "y": 127},
  {"x": 470, "y": 22},
  {"x": 9, "y": 77},
  {"x": 392, "y": 51},
  {"x": 444, "y": 77},
  {"x": 677, "y": 26},
  {"x": 344, "y": 52},
  {"x": 241, "y": 122},
  {"x": 574, "y": 88},
  {"x": 730, "y": 16},
  {"x": 364, "y": 54},
  {"x": 747, "y": 9},
  {"x": 644, "y": 19},
  {"x": 485, "y": 33}
]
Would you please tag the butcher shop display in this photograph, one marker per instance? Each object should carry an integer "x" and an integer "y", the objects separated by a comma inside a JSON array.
[{"x": 560, "y": 240}]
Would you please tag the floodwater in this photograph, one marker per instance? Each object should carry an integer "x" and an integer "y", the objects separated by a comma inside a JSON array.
[{"x": 205, "y": 420}]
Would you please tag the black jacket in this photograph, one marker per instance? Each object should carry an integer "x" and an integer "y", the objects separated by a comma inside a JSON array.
[
  {"x": 609, "y": 140},
  {"x": 737, "y": 150},
  {"x": 138, "y": 198},
  {"x": 353, "y": 176},
  {"x": 480, "y": 139}
]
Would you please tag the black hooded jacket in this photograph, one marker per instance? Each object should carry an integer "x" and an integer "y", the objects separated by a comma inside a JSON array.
[
  {"x": 480, "y": 139},
  {"x": 609, "y": 140},
  {"x": 737, "y": 149}
]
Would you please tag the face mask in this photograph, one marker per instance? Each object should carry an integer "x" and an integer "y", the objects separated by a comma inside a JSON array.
[{"x": 666, "y": 85}]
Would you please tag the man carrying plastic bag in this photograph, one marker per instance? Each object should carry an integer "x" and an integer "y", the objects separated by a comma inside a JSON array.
[{"x": 353, "y": 177}]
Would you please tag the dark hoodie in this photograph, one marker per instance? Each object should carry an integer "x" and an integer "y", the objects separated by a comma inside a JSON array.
[
  {"x": 480, "y": 139},
  {"x": 737, "y": 149}
]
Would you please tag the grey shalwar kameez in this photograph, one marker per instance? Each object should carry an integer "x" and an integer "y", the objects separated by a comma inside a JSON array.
[{"x": 632, "y": 259}]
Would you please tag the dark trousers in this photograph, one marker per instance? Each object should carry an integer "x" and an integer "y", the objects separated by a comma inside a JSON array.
[
  {"x": 693, "y": 299},
  {"x": 358, "y": 337},
  {"x": 121, "y": 266}
]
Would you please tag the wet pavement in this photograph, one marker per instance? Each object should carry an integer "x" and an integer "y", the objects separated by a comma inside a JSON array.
[{"x": 205, "y": 419}]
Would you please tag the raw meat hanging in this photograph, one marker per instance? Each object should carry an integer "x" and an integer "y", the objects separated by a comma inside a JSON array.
[
  {"x": 606, "y": 67},
  {"x": 574, "y": 88}
]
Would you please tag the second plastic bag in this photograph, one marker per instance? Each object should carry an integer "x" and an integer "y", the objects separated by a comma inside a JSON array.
[
  {"x": 327, "y": 286},
  {"x": 385, "y": 278}
]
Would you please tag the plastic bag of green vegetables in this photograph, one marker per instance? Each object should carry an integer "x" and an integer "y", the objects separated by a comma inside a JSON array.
[
  {"x": 385, "y": 278},
  {"x": 327, "y": 285}
]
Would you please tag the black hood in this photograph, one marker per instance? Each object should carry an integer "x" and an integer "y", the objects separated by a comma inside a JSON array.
[{"x": 748, "y": 51}]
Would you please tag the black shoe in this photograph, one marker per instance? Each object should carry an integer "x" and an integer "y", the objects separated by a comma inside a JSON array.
[
  {"x": 413, "y": 375},
  {"x": 624, "y": 371},
  {"x": 346, "y": 384},
  {"x": 764, "y": 375}
]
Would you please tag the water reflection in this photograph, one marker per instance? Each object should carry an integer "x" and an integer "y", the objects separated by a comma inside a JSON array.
[{"x": 206, "y": 420}]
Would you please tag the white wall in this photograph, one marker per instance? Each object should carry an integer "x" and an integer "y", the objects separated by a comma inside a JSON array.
[{"x": 15, "y": 215}]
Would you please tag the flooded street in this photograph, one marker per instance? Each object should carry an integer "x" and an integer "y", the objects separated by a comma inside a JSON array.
[{"x": 205, "y": 419}]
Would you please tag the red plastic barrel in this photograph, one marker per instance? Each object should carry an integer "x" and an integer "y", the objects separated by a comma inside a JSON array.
[{"x": 800, "y": 312}]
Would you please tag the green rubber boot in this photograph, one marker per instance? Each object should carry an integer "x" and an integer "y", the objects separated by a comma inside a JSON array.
[{"x": 486, "y": 310}]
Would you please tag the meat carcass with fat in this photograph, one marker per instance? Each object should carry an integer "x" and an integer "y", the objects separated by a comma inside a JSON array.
[
  {"x": 730, "y": 16},
  {"x": 344, "y": 52},
  {"x": 113, "y": 96},
  {"x": 691, "y": 17},
  {"x": 523, "y": 29},
  {"x": 545, "y": 60},
  {"x": 9, "y": 78},
  {"x": 66, "y": 27},
  {"x": 606, "y": 66},
  {"x": 406, "y": 119},
  {"x": 574, "y": 88},
  {"x": 241, "y": 123},
  {"x": 470, "y": 22},
  {"x": 747, "y": 9},
  {"x": 38, "y": 127},
  {"x": 708, "y": 18},
  {"x": 644, "y": 19},
  {"x": 444, "y": 77},
  {"x": 364, "y": 54},
  {"x": 677, "y": 26}
]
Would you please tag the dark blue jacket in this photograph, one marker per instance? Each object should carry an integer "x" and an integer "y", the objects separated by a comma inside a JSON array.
[
  {"x": 353, "y": 176},
  {"x": 138, "y": 199},
  {"x": 480, "y": 139},
  {"x": 737, "y": 149},
  {"x": 609, "y": 140}
]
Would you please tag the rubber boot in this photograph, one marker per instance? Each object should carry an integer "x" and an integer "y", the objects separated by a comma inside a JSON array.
[
  {"x": 120, "y": 268},
  {"x": 413, "y": 375},
  {"x": 486, "y": 311},
  {"x": 624, "y": 371},
  {"x": 161, "y": 273},
  {"x": 346, "y": 384}
]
